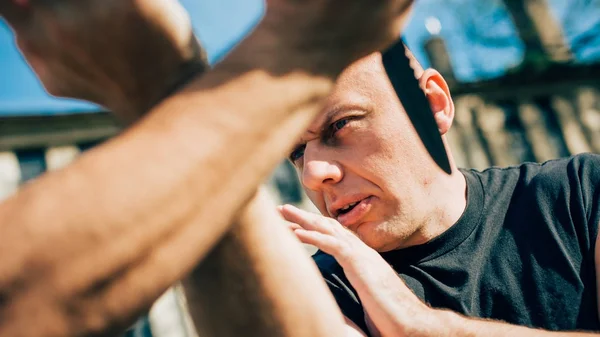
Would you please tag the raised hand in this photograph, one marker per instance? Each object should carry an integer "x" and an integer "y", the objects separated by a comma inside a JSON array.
[
  {"x": 342, "y": 30},
  {"x": 391, "y": 308},
  {"x": 122, "y": 54}
]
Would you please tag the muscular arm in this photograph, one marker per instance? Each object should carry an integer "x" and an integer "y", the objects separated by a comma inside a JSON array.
[
  {"x": 259, "y": 281},
  {"x": 76, "y": 242},
  {"x": 85, "y": 249},
  {"x": 457, "y": 325},
  {"x": 392, "y": 308}
]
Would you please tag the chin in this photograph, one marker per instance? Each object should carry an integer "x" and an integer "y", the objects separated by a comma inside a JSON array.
[{"x": 375, "y": 235}]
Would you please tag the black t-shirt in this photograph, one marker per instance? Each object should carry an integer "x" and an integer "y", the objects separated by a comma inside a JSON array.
[{"x": 522, "y": 252}]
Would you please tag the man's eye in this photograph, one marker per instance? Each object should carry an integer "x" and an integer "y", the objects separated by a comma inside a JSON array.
[
  {"x": 297, "y": 153},
  {"x": 338, "y": 125}
]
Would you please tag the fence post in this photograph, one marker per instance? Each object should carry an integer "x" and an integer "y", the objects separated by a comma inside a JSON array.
[{"x": 540, "y": 32}]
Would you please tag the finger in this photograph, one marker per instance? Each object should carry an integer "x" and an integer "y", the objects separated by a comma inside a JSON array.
[
  {"x": 279, "y": 209},
  {"x": 292, "y": 226},
  {"x": 324, "y": 242},
  {"x": 307, "y": 220}
]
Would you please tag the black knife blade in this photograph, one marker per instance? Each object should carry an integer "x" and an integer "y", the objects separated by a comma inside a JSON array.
[{"x": 402, "y": 76}]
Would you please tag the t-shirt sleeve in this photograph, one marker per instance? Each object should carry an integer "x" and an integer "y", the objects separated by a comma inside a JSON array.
[
  {"x": 570, "y": 190},
  {"x": 345, "y": 296},
  {"x": 587, "y": 169}
]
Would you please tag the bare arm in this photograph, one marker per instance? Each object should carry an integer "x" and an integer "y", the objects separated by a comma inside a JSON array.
[
  {"x": 105, "y": 225},
  {"x": 77, "y": 241},
  {"x": 458, "y": 325},
  {"x": 259, "y": 281},
  {"x": 392, "y": 308}
]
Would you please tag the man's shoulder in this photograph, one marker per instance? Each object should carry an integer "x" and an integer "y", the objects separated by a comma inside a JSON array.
[
  {"x": 575, "y": 174},
  {"x": 582, "y": 166},
  {"x": 559, "y": 195},
  {"x": 557, "y": 173}
]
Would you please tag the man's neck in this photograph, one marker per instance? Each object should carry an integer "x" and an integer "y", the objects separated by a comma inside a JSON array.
[{"x": 451, "y": 194}]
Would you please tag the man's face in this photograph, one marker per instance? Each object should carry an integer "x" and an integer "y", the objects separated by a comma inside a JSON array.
[{"x": 362, "y": 163}]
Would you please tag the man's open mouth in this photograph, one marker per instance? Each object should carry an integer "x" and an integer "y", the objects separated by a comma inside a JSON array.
[
  {"x": 348, "y": 208},
  {"x": 352, "y": 213}
]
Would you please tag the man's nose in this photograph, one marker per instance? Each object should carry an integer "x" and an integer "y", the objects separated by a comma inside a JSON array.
[{"x": 320, "y": 170}]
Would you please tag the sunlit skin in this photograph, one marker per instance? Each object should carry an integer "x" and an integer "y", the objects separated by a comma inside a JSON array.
[
  {"x": 364, "y": 148},
  {"x": 83, "y": 252}
]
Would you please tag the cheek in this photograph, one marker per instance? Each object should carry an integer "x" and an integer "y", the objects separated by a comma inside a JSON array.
[
  {"x": 317, "y": 200},
  {"x": 381, "y": 155},
  {"x": 399, "y": 145},
  {"x": 391, "y": 161}
]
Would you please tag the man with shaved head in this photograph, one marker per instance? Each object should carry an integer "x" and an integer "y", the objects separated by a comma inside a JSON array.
[{"x": 409, "y": 250}]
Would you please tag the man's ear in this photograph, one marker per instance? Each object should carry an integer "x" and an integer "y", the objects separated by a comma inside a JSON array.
[{"x": 438, "y": 94}]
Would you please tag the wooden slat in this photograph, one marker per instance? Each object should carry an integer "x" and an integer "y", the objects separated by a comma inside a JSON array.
[
  {"x": 539, "y": 30},
  {"x": 473, "y": 149},
  {"x": 571, "y": 128},
  {"x": 59, "y": 157},
  {"x": 537, "y": 132},
  {"x": 10, "y": 174},
  {"x": 491, "y": 119},
  {"x": 588, "y": 109},
  {"x": 454, "y": 138},
  {"x": 438, "y": 56}
]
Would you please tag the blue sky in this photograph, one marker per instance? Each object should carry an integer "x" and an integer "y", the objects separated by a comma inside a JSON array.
[{"x": 479, "y": 34}]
